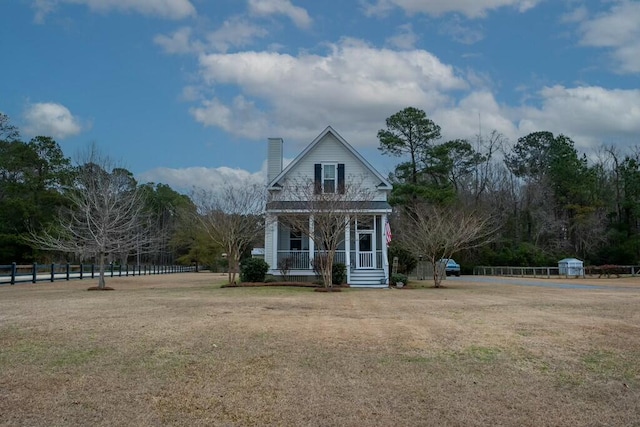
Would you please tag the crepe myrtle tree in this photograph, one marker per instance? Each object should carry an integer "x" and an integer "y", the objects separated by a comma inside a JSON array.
[
  {"x": 322, "y": 216},
  {"x": 104, "y": 216},
  {"x": 437, "y": 232},
  {"x": 233, "y": 218}
]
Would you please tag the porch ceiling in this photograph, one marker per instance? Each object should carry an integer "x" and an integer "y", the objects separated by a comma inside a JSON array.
[{"x": 373, "y": 206}]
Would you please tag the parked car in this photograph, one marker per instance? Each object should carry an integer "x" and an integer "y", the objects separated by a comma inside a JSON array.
[{"x": 451, "y": 268}]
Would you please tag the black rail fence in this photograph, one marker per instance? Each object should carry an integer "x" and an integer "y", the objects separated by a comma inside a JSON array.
[
  {"x": 31, "y": 273},
  {"x": 549, "y": 272}
]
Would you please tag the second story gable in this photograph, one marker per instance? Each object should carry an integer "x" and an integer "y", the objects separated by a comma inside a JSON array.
[{"x": 329, "y": 162}]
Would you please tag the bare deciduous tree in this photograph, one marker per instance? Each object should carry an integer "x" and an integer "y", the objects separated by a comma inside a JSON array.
[
  {"x": 300, "y": 200},
  {"x": 438, "y": 232},
  {"x": 104, "y": 216},
  {"x": 233, "y": 218}
]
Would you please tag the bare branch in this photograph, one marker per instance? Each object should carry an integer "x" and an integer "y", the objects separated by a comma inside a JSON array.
[
  {"x": 232, "y": 218},
  {"x": 105, "y": 214},
  {"x": 300, "y": 200},
  {"x": 438, "y": 232}
]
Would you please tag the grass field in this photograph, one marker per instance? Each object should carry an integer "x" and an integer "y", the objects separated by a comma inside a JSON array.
[{"x": 179, "y": 350}]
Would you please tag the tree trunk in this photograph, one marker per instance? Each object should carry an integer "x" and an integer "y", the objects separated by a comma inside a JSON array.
[
  {"x": 101, "y": 282},
  {"x": 436, "y": 273},
  {"x": 327, "y": 271}
]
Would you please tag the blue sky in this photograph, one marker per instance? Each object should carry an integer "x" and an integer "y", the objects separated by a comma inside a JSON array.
[{"x": 187, "y": 92}]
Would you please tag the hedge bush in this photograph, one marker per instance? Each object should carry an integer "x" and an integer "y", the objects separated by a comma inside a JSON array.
[
  {"x": 253, "y": 270},
  {"x": 338, "y": 273},
  {"x": 396, "y": 278}
]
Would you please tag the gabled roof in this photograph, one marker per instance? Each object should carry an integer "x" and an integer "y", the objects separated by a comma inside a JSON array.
[{"x": 384, "y": 183}]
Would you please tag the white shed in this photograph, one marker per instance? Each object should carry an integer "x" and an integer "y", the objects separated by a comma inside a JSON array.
[
  {"x": 257, "y": 253},
  {"x": 571, "y": 267}
]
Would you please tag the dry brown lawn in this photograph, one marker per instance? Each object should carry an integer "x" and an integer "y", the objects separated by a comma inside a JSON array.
[{"x": 179, "y": 350}]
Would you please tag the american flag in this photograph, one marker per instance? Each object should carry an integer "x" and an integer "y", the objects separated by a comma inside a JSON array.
[{"x": 387, "y": 232}]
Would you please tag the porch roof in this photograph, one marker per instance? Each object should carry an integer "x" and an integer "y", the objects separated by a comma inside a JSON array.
[{"x": 298, "y": 205}]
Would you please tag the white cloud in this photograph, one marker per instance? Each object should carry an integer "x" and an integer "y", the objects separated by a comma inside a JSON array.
[
  {"x": 578, "y": 14},
  {"x": 590, "y": 115},
  {"x": 241, "y": 118},
  {"x": 170, "y": 9},
  {"x": 353, "y": 86},
  {"x": 178, "y": 42},
  {"x": 461, "y": 32},
  {"x": 405, "y": 38},
  {"x": 51, "y": 119},
  {"x": 188, "y": 179},
  {"x": 619, "y": 30},
  {"x": 298, "y": 15},
  {"x": 477, "y": 113},
  {"x": 469, "y": 8},
  {"x": 234, "y": 32}
]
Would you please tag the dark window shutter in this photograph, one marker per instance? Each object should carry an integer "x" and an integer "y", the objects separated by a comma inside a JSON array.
[
  {"x": 341, "y": 178},
  {"x": 317, "y": 181}
]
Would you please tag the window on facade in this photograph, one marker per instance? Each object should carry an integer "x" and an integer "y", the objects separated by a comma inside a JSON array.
[
  {"x": 329, "y": 178},
  {"x": 365, "y": 222},
  {"x": 295, "y": 240}
]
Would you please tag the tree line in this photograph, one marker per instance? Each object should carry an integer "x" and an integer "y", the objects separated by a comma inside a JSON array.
[
  {"x": 544, "y": 198},
  {"x": 39, "y": 185},
  {"x": 487, "y": 201}
]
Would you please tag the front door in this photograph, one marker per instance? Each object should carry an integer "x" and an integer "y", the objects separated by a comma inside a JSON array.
[{"x": 364, "y": 250}]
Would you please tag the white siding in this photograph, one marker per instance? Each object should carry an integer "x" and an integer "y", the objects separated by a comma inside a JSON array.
[
  {"x": 268, "y": 240},
  {"x": 330, "y": 150}
]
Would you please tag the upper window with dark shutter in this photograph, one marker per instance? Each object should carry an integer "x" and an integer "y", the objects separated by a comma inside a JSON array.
[{"x": 329, "y": 177}]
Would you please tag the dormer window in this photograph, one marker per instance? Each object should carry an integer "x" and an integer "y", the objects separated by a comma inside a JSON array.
[{"x": 329, "y": 177}]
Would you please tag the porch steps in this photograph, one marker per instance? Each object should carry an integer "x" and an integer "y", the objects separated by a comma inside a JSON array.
[{"x": 368, "y": 279}]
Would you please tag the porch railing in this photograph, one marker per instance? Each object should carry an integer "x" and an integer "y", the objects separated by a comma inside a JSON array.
[
  {"x": 365, "y": 259},
  {"x": 295, "y": 260},
  {"x": 300, "y": 260},
  {"x": 378, "y": 255}
]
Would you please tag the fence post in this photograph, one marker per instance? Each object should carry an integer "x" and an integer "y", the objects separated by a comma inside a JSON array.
[
  {"x": 68, "y": 271},
  {"x": 14, "y": 267},
  {"x": 119, "y": 270},
  {"x": 134, "y": 270},
  {"x": 53, "y": 272},
  {"x": 81, "y": 271},
  {"x": 111, "y": 268},
  {"x": 34, "y": 273},
  {"x": 93, "y": 270}
]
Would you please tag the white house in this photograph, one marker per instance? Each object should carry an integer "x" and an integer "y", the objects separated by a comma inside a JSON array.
[{"x": 331, "y": 165}]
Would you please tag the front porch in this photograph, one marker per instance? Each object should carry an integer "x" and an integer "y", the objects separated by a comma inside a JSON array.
[
  {"x": 363, "y": 250},
  {"x": 303, "y": 259}
]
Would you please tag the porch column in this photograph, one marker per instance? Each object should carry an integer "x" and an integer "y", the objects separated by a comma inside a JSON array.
[
  {"x": 274, "y": 243},
  {"x": 385, "y": 257},
  {"x": 373, "y": 243},
  {"x": 347, "y": 247},
  {"x": 312, "y": 243}
]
